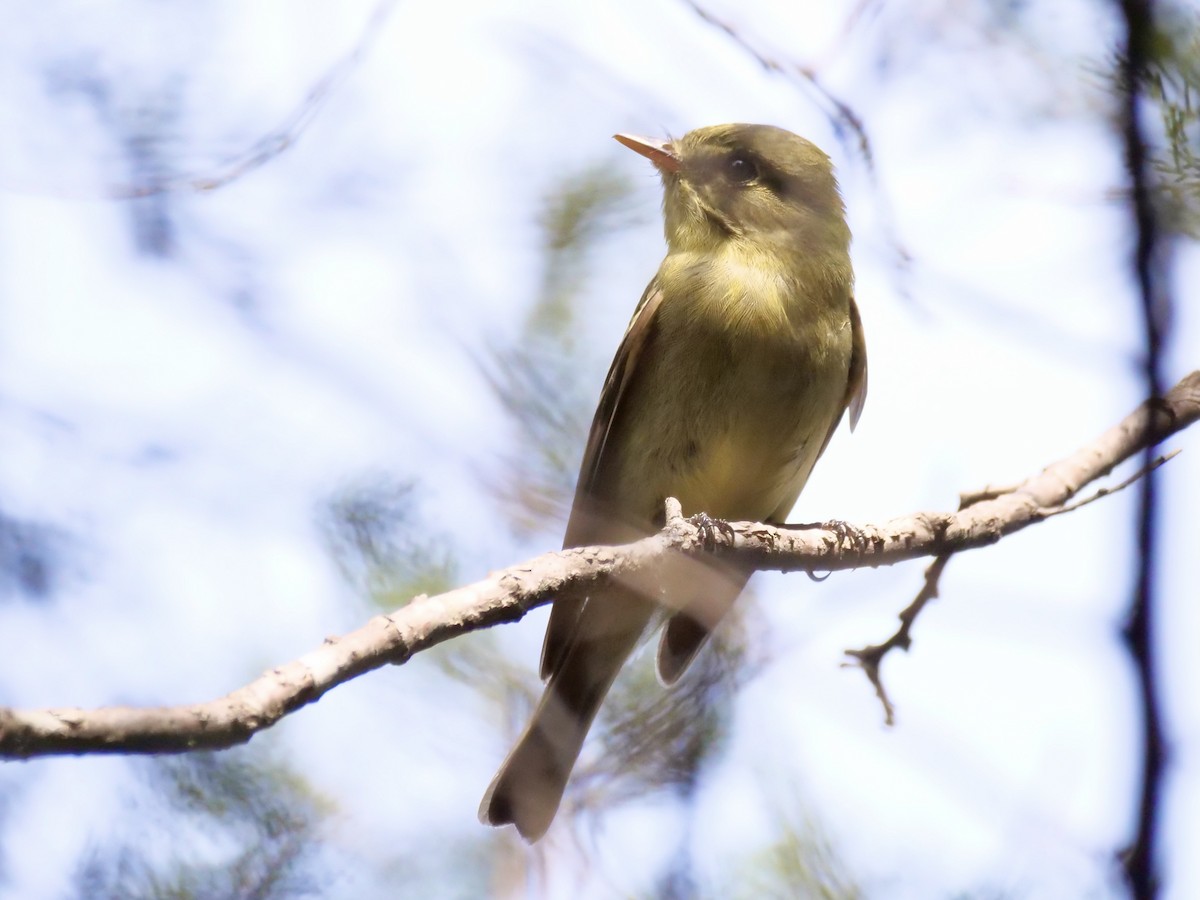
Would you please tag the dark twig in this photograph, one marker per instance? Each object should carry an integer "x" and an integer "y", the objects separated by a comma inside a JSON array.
[{"x": 1138, "y": 860}]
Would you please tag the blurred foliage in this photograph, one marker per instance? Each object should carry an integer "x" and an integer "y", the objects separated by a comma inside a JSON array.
[
  {"x": 541, "y": 381},
  {"x": 439, "y": 867},
  {"x": 31, "y": 558},
  {"x": 648, "y": 738},
  {"x": 235, "y": 824},
  {"x": 145, "y": 123},
  {"x": 801, "y": 862},
  {"x": 376, "y": 536},
  {"x": 1173, "y": 84},
  {"x": 492, "y": 673},
  {"x": 1171, "y": 87}
]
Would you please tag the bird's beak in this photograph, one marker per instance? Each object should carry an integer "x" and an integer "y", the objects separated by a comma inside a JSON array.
[{"x": 661, "y": 153}]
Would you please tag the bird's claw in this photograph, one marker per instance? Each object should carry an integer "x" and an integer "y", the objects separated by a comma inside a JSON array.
[
  {"x": 709, "y": 529},
  {"x": 846, "y": 533}
]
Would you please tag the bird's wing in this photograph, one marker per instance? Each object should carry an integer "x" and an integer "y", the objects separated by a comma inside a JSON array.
[
  {"x": 856, "y": 389},
  {"x": 856, "y": 386},
  {"x": 586, "y": 522}
]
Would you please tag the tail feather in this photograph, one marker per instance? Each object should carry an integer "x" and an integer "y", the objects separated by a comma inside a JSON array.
[
  {"x": 701, "y": 593},
  {"x": 527, "y": 790}
]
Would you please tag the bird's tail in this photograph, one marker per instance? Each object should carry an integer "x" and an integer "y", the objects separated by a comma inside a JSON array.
[
  {"x": 529, "y": 786},
  {"x": 701, "y": 593}
]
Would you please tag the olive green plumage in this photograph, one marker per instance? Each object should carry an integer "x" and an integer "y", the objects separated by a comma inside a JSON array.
[{"x": 736, "y": 368}]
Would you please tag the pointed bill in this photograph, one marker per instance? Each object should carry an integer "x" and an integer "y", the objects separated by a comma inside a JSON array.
[{"x": 661, "y": 153}]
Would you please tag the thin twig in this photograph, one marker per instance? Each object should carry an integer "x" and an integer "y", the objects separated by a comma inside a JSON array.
[
  {"x": 869, "y": 658},
  {"x": 270, "y": 145},
  {"x": 842, "y": 116},
  {"x": 1107, "y": 491}
]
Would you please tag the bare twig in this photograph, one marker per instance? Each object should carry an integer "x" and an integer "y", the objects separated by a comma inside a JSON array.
[
  {"x": 869, "y": 658},
  {"x": 842, "y": 116},
  {"x": 1103, "y": 492},
  {"x": 507, "y": 595},
  {"x": 284, "y": 136}
]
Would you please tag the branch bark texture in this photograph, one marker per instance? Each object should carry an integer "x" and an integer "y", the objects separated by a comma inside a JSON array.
[{"x": 506, "y": 595}]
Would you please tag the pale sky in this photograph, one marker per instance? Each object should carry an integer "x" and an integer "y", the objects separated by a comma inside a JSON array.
[{"x": 181, "y": 418}]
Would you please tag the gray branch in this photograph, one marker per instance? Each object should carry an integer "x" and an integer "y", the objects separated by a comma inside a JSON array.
[{"x": 506, "y": 596}]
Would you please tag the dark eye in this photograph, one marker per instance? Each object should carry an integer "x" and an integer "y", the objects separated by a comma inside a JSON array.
[{"x": 741, "y": 168}]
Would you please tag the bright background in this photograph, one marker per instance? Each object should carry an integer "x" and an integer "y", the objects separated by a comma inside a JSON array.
[{"x": 187, "y": 378}]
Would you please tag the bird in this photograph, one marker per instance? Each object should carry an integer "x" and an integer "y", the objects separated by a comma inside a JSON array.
[{"x": 737, "y": 366}]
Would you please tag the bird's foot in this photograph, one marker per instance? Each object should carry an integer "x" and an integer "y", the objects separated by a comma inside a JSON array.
[
  {"x": 709, "y": 529},
  {"x": 849, "y": 534},
  {"x": 857, "y": 539}
]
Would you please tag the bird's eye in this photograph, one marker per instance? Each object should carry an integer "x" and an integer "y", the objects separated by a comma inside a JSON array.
[{"x": 741, "y": 168}]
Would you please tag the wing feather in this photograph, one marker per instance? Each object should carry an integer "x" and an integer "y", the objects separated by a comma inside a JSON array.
[{"x": 584, "y": 527}]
